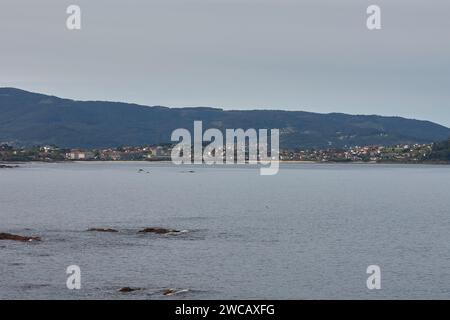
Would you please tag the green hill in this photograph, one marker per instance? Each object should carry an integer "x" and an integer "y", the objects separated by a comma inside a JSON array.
[{"x": 34, "y": 119}]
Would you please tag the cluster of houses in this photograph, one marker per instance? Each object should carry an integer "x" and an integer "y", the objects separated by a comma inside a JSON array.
[
  {"x": 123, "y": 153},
  {"x": 398, "y": 153},
  {"x": 53, "y": 153}
]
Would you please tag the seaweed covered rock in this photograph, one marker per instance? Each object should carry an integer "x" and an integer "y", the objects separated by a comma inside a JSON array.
[
  {"x": 159, "y": 230},
  {"x": 129, "y": 289},
  {"x": 14, "y": 237},
  {"x": 102, "y": 230}
]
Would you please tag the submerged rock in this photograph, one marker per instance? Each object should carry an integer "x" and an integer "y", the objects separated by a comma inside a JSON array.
[
  {"x": 14, "y": 237},
  {"x": 172, "y": 292},
  {"x": 159, "y": 230},
  {"x": 102, "y": 230},
  {"x": 129, "y": 289}
]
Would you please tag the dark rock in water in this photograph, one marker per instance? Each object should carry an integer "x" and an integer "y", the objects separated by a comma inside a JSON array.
[
  {"x": 141, "y": 170},
  {"x": 3, "y": 166},
  {"x": 129, "y": 289},
  {"x": 158, "y": 230},
  {"x": 103, "y": 230},
  {"x": 14, "y": 237},
  {"x": 169, "y": 292},
  {"x": 172, "y": 292}
]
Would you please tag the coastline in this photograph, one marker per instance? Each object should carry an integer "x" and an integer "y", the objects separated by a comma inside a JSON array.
[{"x": 16, "y": 164}]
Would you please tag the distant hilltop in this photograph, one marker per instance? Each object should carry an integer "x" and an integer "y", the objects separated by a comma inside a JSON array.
[{"x": 28, "y": 119}]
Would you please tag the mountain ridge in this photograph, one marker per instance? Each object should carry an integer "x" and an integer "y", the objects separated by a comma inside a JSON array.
[{"x": 29, "y": 118}]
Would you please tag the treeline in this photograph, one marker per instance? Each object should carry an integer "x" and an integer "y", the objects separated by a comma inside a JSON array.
[{"x": 440, "y": 151}]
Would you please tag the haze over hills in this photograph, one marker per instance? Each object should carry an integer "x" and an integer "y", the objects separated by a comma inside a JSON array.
[{"x": 35, "y": 119}]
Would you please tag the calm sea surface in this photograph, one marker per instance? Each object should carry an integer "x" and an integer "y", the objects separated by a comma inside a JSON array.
[{"x": 307, "y": 233}]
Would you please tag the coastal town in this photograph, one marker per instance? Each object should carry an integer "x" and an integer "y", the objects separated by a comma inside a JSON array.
[
  {"x": 415, "y": 153},
  {"x": 400, "y": 153}
]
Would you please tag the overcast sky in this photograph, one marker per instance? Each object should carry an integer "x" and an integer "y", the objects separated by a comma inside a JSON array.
[{"x": 312, "y": 55}]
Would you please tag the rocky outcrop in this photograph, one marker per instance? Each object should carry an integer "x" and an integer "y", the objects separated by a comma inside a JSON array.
[
  {"x": 3, "y": 166},
  {"x": 14, "y": 237},
  {"x": 155, "y": 230},
  {"x": 129, "y": 289},
  {"x": 169, "y": 292},
  {"x": 159, "y": 230},
  {"x": 172, "y": 292},
  {"x": 102, "y": 230}
]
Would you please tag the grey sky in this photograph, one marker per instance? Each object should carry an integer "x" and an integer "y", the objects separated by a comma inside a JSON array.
[{"x": 312, "y": 55}]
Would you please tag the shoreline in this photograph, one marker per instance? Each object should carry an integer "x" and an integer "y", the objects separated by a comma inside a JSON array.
[{"x": 16, "y": 164}]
